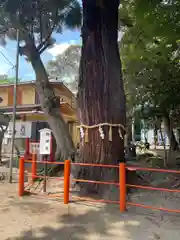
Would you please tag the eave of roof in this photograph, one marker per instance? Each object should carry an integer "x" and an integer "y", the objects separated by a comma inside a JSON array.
[
  {"x": 20, "y": 108},
  {"x": 53, "y": 82},
  {"x": 24, "y": 109}
]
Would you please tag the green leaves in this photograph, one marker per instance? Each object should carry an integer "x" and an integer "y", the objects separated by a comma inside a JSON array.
[
  {"x": 66, "y": 66},
  {"x": 73, "y": 17},
  {"x": 150, "y": 54},
  {"x": 5, "y": 79},
  {"x": 38, "y": 19}
]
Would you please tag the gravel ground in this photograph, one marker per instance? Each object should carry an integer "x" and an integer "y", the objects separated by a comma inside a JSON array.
[{"x": 35, "y": 218}]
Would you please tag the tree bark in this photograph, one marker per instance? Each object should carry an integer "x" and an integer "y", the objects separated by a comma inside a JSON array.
[
  {"x": 51, "y": 108},
  {"x": 170, "y": 133},
  {"x": 101, "y": 96}
]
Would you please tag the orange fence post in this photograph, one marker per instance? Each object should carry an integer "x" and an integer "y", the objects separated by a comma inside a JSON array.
[
  {"x": 34, "y": 167},
  {"x": 21, "y": 177},
  {"x": 122, "y": 186},
  {"x": 67, "y": 166}
]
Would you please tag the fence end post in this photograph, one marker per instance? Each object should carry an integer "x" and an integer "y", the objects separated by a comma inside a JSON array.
[
  {"x": 67, "y": 165},
  {"x": 122, "y": 187},
  {"x": 21, "y": 176},
  {"x": 34, "y": 167},
  {"x": 27, "y": 146}
]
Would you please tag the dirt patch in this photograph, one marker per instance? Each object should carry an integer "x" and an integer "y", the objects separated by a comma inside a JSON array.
[
  {"x": 39, "y": 218},
  {"x": 34, "y": 218}
]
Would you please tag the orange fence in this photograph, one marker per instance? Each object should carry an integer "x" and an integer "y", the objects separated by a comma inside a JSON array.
[{"x": 121, "y": 184}]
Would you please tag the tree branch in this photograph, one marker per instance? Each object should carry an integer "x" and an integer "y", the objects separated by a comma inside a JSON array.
[
  {"x": 44, "y": 48},
  {"x": 40, "y": 21},
  {"x": 43, "y": 45}
]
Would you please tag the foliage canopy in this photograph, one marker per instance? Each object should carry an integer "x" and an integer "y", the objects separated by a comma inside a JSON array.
[
  {"x": 37, "y": 20},
  {"x": 150, "y": 55}
]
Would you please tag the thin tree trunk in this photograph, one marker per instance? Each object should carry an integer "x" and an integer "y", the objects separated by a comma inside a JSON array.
[
  {"x": 170, "y": 133},
  {"x": 1, "y": 140},
  {"x": 51, "y": 108},
  {"x": 129, "y": 132},
  {"x": 164, "y": 146},
  {"x": 133, "y": 130},
  {"x": 155, "y": 136},
  {"x": 4, "y": 122},
  {"x": 101, "y": 95}
]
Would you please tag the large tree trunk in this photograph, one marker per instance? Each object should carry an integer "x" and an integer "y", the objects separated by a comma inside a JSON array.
[
  {"x": 170, "y": 133},
  {"x": 51, "y": 108},
  {"x": 101, "y": 97}
]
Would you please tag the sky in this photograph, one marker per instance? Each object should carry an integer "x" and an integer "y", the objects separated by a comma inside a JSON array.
[{"x": 26, "y": 72}]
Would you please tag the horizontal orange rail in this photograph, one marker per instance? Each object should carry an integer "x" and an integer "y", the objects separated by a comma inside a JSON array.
[
  {"x": 96, "y": 165},
  {"x": 120, "y": 184},
  {"x": 98, "y": 182},
  {"x": 153, "y": 188},
  {"x": 42, "y": 162},
  {"x": 79, "y": 164},
  {"x": 153, "y": 208},
  {"x": 132, "y": 168}
]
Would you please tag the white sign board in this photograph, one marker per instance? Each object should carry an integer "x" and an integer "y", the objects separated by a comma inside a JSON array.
[
  {"x": 45, "y": 141},
  {"x": 22, "y": 130}
]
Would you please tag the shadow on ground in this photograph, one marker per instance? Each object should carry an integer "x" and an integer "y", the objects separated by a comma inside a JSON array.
[{"x": 85, "y": 221}]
